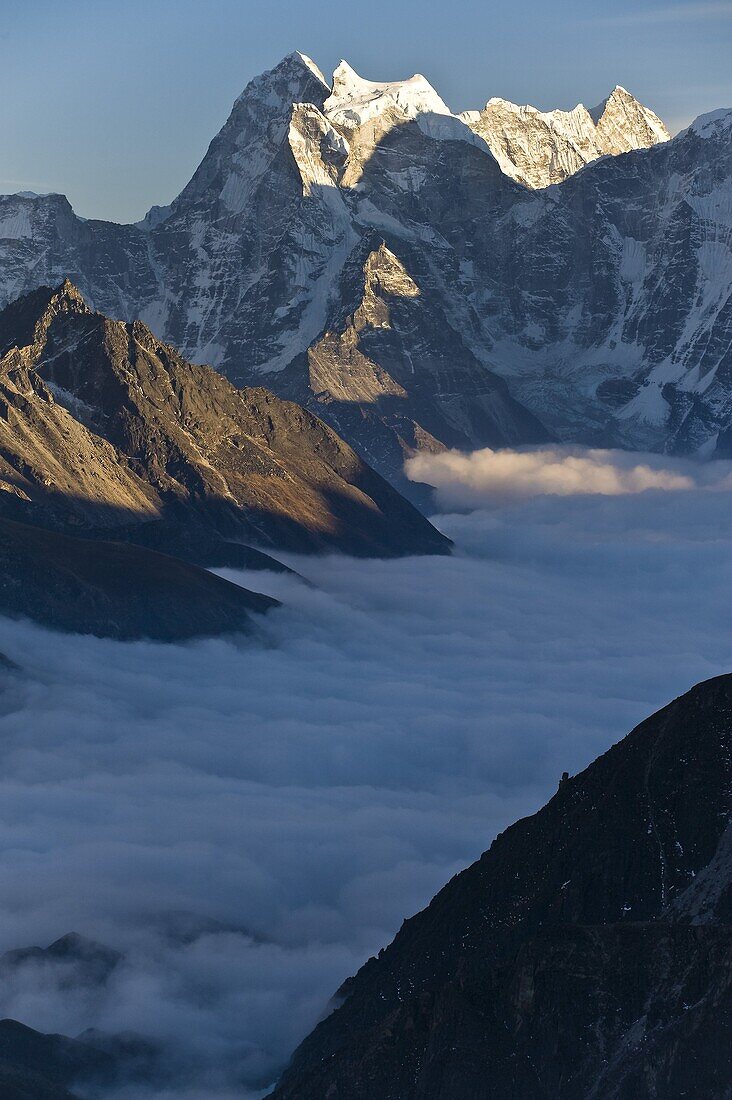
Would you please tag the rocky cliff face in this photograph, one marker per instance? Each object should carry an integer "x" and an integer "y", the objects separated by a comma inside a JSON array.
[
  {"x": 541, "y": 148},
  {"x": 594, "y": 311},
  {"x": 588, "y": 953},
  {"x": 104, "y": 429}
]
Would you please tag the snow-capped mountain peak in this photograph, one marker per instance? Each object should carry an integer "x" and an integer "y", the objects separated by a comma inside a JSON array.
[
  {"x": 354, "y": 101},
  {"x": 539, "y": 148},
  {"x": 288, "y": 78},
  {"x": 301, "y": 58},
  {"x": 711, "y": 123},
  {"x": 623, "y": 123},
  {"x": 597, "y": 311},
  {"x": 245, "y": 147}
]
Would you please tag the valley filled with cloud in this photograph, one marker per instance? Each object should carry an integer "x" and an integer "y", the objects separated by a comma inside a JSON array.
[{"x": 247, "y": 820}]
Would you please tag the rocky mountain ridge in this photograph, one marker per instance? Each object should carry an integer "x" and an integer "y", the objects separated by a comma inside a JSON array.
[
  {"x": 588, "y": 953},
  {"x": 594, "y": 311},
  {"x": 124, "y": 468},
  {"x": 105, "y": 429},
  {"x": 541, "y": 148}
]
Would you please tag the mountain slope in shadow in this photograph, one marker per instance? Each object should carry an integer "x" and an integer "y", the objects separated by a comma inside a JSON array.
[
  {"x": 587, "y": 953},
  {"x": 114, "y": 589}
]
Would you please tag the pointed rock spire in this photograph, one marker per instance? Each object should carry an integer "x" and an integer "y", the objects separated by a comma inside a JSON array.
[{"x": 623, "y": 123}]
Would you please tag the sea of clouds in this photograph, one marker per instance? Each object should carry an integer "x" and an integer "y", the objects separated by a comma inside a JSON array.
[{"x": 249, "y": 819}]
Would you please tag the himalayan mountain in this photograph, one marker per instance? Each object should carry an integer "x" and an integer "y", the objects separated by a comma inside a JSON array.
[
  {"x": 422, "y": 279},
  {"x": 586, "y": 955},
  {"x": 124, "y": 470}
]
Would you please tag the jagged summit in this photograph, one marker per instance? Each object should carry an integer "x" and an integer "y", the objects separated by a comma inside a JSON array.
[
  {"x": 597, "y": 112},
  {"x": 521, "y": 138},
  {"x": 248, "y": 143},
  {"x": 623, "y": 123},
  {"x": 295, "y": 67},
  {"x": 296, "y": 57},
  {"x": 24, "y": 323},
  {"x": 258, "y": 263},
  {"x": 586, "y": 954},
  {"x": 354, "y": 101},
  {"x": 539, "y": 148}
]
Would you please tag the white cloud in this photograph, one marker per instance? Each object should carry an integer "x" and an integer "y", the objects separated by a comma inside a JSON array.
[
  {"x": 310, "y": 792},
  {"x": 476, "y": 478}
]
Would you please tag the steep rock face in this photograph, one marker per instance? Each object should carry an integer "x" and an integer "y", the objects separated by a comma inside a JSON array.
[
  {"x": 396, "y": 378},
  {"x": 588, "y": 953},
  {"x": 104, "y": 427},
  {"x": 541, "y": 148},
  {"x": 594, "y": 311},
  {"x": 642, "y": 301}
]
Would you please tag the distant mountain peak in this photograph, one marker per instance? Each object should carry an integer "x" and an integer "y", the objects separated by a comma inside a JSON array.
[
  {"x": 344, "y": 75},
  {"x": 624, "y": 123},
  {"x": 539, "y": 148},
  {"x": 292, "y": 69},
  {"x": 250, "y": 139},
  {"x": 354, "y": 101},
  {"x": 708, "y": 124},
  {"x": 302, "y": 59},
  {"x": 618, "y": 94}
]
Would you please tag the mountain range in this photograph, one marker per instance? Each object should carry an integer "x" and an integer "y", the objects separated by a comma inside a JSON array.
[
  {"x": 118, "y": 459},
  {"x": 354, "y": 274},
  {"x": 422, "y": 279}
]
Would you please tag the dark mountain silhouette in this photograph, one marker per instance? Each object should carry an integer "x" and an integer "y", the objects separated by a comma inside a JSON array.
[
  {"x": 115, "y": 589},
  {"x": 84, "y": 961},
  {"x": 587, "y": 953},
  {"x": 34, "y": 1066}
]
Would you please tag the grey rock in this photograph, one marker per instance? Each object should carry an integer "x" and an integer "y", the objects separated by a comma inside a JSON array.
[{"x": 595, "y": 310}]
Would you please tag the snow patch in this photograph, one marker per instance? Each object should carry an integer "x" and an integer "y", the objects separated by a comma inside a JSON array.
[
  {"x": 633, "y": 260},
  {"x": 16, "y": 225},
  {"x": 354, "y": 101},
  {"x": 710, "y": 124}
]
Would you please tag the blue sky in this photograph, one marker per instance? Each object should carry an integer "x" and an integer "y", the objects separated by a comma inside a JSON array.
[{"x": 113, "y": 102}]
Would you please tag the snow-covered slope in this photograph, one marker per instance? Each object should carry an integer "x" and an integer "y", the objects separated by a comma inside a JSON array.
[
  {"x": 360, "y": 248},
  {"x": 354, "y": 101}
]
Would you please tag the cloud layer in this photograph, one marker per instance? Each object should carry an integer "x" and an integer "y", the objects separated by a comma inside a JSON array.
[
  {"x": 479, "y": 478},
  {"x": 249, "y": 819}
]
